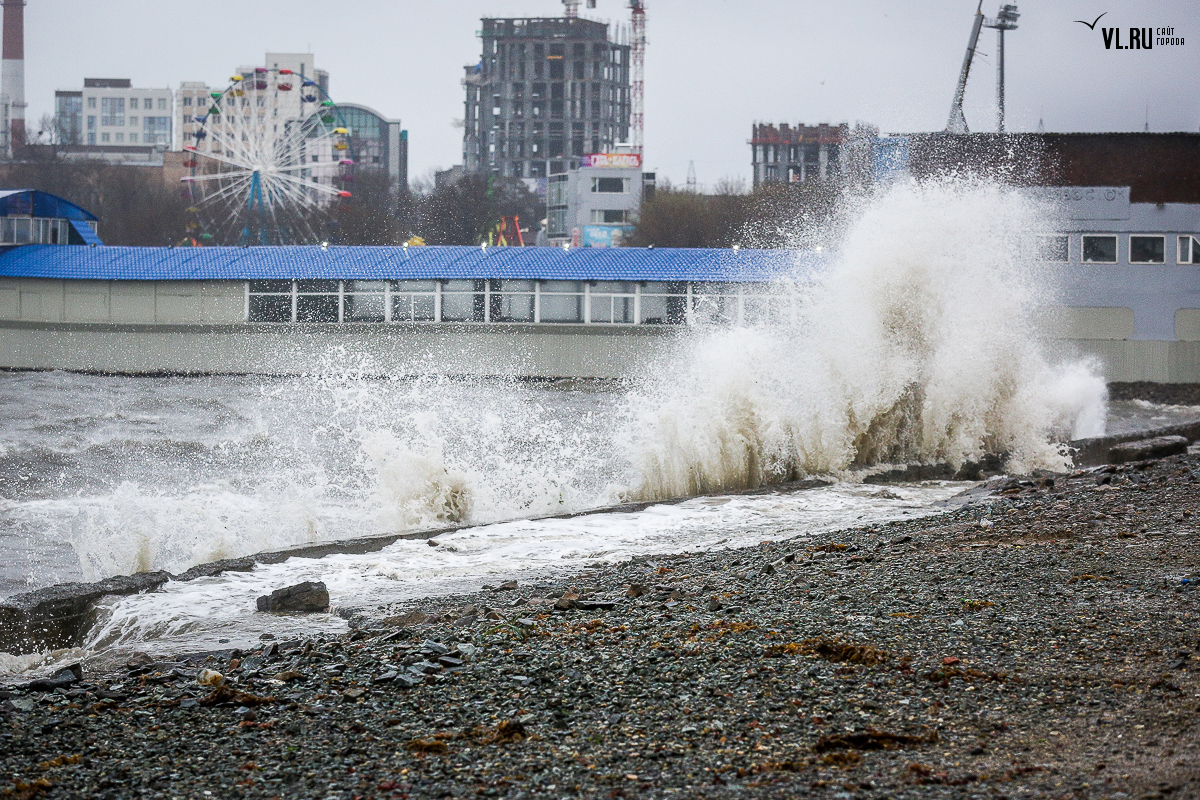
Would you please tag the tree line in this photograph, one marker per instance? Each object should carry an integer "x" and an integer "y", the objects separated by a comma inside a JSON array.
[{"x": 136, "y": 206}]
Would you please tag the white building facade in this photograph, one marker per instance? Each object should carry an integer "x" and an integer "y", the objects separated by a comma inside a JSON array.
[
  {"x": 114, "y": 112},
  {"x": 597, "y": 204}
]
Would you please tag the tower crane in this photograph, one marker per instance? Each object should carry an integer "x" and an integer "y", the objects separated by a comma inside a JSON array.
[{"x": 637, "y": 53}]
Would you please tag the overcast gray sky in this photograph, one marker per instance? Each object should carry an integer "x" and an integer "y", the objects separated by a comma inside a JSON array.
[{"x": 713, "y": 67}]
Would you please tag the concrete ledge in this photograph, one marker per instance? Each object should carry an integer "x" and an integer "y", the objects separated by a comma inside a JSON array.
[
  {"x": 1099, "y": 450},
  {"x": 59, "y": 616}
]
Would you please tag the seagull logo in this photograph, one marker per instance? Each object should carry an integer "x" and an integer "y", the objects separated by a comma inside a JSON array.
[{"x": 1091, "y": 25}]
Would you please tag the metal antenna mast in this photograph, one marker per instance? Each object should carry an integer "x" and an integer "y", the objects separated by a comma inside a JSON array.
[
  {"x": 1006, "y": 20},
  {"x": 957, "y": 122},
  {"x": 638, "y": 56}
]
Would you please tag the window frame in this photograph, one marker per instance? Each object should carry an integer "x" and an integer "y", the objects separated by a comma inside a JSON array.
[
  {"x": 1160, "y": 237},
  {"x": 1083, "y": 243},
  {"x": 1193, "y": 248}
]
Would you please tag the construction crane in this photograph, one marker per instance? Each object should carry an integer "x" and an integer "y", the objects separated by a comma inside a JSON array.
[
  {"x": 957, "y": 122},
  {"x": 1006, "y": 20},
  {"x": 637, "y": 54},
  {"x": 638, "y": 57}
]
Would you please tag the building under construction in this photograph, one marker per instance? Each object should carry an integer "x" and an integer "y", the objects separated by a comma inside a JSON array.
[
  {"x": 546, "y": 92},
  {"x": 798, "y": 154}
]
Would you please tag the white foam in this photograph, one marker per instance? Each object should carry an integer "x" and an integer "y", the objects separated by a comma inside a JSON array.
[
  {"x": 199, "y": 614},
  {"x": 918, "y": 346}
]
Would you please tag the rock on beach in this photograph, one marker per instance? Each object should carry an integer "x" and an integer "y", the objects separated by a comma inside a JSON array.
[{"x": 309, "y": 596}]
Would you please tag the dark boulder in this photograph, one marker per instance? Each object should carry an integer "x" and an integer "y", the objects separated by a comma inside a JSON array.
[{"x": 309, "y": 596}]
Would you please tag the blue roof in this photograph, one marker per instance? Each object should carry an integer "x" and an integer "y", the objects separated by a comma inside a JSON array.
[
  {"x": 85, "y": 232},
  {"x": 32, "y": 203},
  {"x": 376, "y": 263}
]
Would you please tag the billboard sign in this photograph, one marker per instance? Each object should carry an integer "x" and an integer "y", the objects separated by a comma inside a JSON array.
[
  {"x": 614, "y": 160},
  {"x": 606, "y": 235}
]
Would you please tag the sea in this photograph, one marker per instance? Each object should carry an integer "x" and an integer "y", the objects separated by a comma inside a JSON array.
[{"x": 918, "y": 345}]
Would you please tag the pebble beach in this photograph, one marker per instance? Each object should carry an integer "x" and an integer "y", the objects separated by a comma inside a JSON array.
[{"x": 1040, "y": 640}]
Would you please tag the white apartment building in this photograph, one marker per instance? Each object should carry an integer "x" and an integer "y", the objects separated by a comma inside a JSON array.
[{"x": 113, "y": 112}]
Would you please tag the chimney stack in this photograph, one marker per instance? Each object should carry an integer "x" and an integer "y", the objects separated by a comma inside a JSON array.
[{"x": 12, "y": 71}]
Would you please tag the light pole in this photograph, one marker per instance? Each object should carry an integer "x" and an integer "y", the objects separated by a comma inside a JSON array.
[{"x": 1006, "y": 20}]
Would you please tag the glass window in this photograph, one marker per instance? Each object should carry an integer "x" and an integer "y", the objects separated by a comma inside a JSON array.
[
  {"x": 611, "y": 185},
  {"x": 91, "y": 102},
  {"x": 112, "y": 111},
  {"x": 760, "y": 310},
  {"x": 663, "y": 310},
  {"x": 462, "y": 301},
  {"x": 714, "y": 303},
  {"x": 414, "y": 301},
  {"x": 1052, "y": 248},
  {"x": 270, "y": 308},
  {"x": 104, "y": 137},
  {"x": 562, "y": 301},
  {"x": 322, "y": 286},
  {"x": 1189, "y": 250},
  {"x": 162, "y": 104},
  {"x": 271, "y": 286},
  {"x": 609, "y": 216},
  {"x": 511, "y": 301},
  {"x": 120, "y": 138},
  {"x": 133, "y": 102},
  {"x": 364, "y": 301},
  {"x": 610, "y": 309},
  {"x": 133, "y": 121},
  {"x": 1100, "y": 249},
  {"x": 612, "y": 287},
  {"x": 133, "y": 138},
  {"x": 187, "y": 101},
  {"x": 1147, "y": 249},
  {"x": 317, "y": 308}
]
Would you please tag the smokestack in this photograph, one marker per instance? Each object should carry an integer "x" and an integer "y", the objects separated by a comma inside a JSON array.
[{"x": 12, "y": 71}]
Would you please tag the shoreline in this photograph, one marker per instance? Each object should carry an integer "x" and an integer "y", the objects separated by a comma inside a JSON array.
[
  {"x": 59, "y": 616},
  {"x": 1040, "y": 642}
]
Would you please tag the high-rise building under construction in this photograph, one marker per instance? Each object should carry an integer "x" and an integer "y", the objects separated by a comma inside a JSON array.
[{"x": 546, "y": 92}]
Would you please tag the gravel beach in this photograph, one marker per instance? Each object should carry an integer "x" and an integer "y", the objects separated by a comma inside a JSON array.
[{"x": 1039, "y": 642}]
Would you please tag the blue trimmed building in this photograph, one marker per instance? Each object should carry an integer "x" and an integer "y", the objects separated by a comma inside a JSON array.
[
  {"x": 1129, "y": 276},
  {"x": 28, "y": 216}
]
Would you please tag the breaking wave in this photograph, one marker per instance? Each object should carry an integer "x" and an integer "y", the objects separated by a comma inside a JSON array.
[{"x": 917, "y": 345}]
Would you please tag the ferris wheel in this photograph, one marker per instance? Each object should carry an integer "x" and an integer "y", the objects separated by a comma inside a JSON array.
[{"x": 270, "y": 162}]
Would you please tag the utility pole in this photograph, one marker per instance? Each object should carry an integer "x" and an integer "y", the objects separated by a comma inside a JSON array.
[{"x": 1006, "y": 20}]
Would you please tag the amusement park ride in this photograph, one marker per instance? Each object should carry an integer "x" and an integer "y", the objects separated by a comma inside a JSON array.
[{"x": 271, "y": 162}]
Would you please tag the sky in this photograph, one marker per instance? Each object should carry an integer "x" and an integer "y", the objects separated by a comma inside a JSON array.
[{"x": 713, "y": 67}]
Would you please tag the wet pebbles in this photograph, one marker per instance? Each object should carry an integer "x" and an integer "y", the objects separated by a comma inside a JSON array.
[{"x": 1041, "y": 643}]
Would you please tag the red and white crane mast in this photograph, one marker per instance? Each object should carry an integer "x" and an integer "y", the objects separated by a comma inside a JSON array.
[
  {"x": 637, "y": 66},
  {"x": 638, "y": 69}
]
